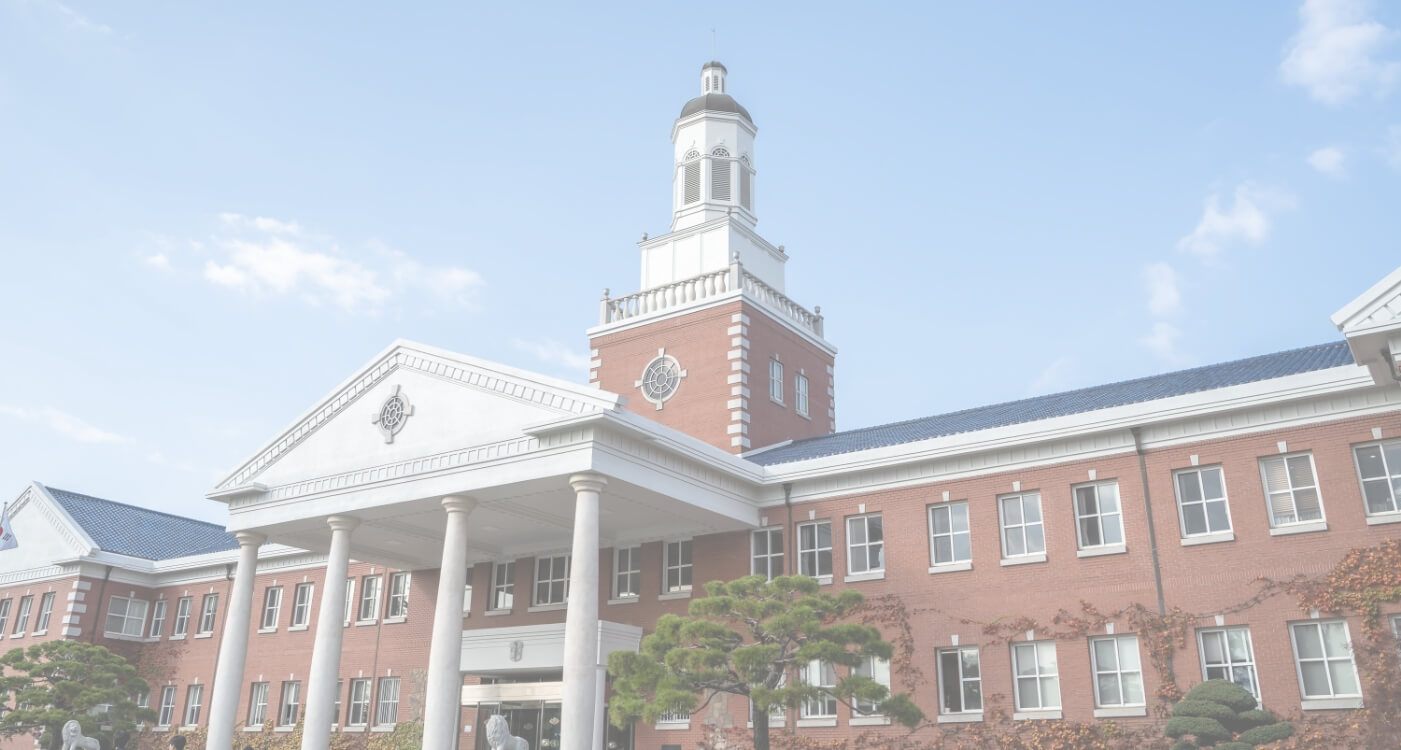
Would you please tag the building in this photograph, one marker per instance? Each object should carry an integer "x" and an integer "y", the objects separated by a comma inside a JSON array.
[{"x": 374, "y": 549}]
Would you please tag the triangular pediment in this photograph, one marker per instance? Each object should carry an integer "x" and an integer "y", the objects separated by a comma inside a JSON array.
[
  {"x": 45, "y": 534},
  {"x": 1379, "y": 308},
  {"x": 442, "y": 401}
]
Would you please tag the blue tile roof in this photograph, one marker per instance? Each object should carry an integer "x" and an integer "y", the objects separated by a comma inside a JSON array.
[
  {"x": 139, "y": 532},
  {"x": 1264, "y": 367}
]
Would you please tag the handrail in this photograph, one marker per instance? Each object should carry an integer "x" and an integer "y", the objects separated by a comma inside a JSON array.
[{"x": 705, "y": 286}]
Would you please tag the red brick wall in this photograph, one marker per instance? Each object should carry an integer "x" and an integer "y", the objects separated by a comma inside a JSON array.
[{"x": 771, "y": 422}]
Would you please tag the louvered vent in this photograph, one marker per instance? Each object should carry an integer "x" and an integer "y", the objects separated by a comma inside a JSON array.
[
  {"x": 744, "y": 189},
  {"x": 719, "y": 180},
  {"x": 692, "y": 182}
]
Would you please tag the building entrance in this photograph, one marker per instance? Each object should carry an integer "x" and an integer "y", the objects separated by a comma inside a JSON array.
[{"x": 536, "y": 722}]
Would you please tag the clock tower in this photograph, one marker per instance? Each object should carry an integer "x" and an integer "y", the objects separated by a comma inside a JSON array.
[{"x": 712, "y": 345}]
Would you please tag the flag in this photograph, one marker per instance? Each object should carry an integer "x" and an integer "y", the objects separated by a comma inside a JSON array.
[{"x": 7, "y": 535}]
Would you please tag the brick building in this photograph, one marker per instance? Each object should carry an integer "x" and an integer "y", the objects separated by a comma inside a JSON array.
[{"x": 453, "y": 503}]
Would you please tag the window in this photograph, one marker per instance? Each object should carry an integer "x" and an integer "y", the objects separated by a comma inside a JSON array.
[
  {"x": 551, "y": 580},
  {"x": 349, "y": 599},
  {"x": 1098, "y": 519},
  {"x": 1227, "y": 654},
  {"x": 692, "y": 178},
  {"x": 1324, "y": 656},
  {"x": 46, "y": 611},
  {"x": 1038, "y": 682},
  {"x": 627, "y": 572},
  {"x": 1396, "y": 628},
  {"x": 1379, "y": 467},
  {"x": 1022, "y": 530},
  {"x": 819, "y": 674},
  {"x": 194, "y": 694},
  {"x": 960, "y": 681},
  {"x": 272, "y": 607},
  {"x": 291, "y": 703},
  {"x": 865, "y": 545},
  {"x": 167, "y": 711},
  {"x": 815, "y": 549},
  {"x": 676, "y": 567},
  {"x": 208, "y": 610},
  {"x": 398, "y": 596},
  {"x": 336, "y": 707},
  {"x": 878, "y": 670},
  {"x": 182, "y": 618},
  {"x": 359, "y": 714},
  {"x": 1291, "y": 488},
  {"x": 157, "y": 616},
  {"x": 369, "y": 599},
  {"x": 5, "y": 605},
  {"x": 949, "y": 540},
  {"x": 766, "y": 553},
  {"x": 387, "y": 709},
  {"x": 503, "y": 586},
  {"x": 776, "y": 380},
  {"x": 675, "y": 716},
  {"x": 800, "y": 394},
  {"x": 257, "y": 704},
  {"x": 301, "y": 605},
  {"x": 720, "y": 179},
  {"x": 467, "y": 599},
  {"x": 22, "y": 618},
  {"x": 1118, "y": 673},
  {"x": 1201, "y": 501},
  {"x": 745, "y": 187},
  {"x": 125, "y": 616}
]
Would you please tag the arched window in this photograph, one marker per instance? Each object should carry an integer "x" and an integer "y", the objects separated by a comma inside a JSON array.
[
  {"x": 719, "y": 151},
  {"x": 692, "y": 154},
  {"x": 691, "y": 177},
  {"x": 720, "y": 175}
]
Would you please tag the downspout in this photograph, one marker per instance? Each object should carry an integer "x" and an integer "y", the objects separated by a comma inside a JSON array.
[
  {"x": 101, "y": 592},
  {"x": 791, "y": 533},
  {"x": 1148, "y": 513}
]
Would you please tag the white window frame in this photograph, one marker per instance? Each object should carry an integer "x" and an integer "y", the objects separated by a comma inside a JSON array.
[
  {"x": 1333, "y": 697},
  {"x": 158, "y": 610},
  {"x": 1227, "y": 669},
  {"x": 396, "y": 607},
  {"x": 5, "y": 605},
  {"x": 877, "y": 669},
  {"x": 555, "y": 576},
  {"x": 132, "y": 624},
  {"x": 301, "y": 606},
  {"x": 1100, "y": 520},
  {"x": 683, "y": 550},
  {"x": 865, "y": 547},
  {"x": 272, "y": 609},
  {"x": 1122, "y": 675},
  {"x": 46, "y": 611},
  {"x": 1040, "y": 673},
  {"x": 26, "y": 606},
  {"x": 768, "y": 563},
  {"x": 503, "y": 585},
  {"x": 358, "y": 714},
  {"x": 800, "y": 394},
  {"x": 387, "y": 702},
  {"x": 953, "y": 510},
  {"x": 194, "y": 700},
  {"x": 1396, "y": 629},
  {"x": 825, "y": 705},
  {"x": 257, "y": 704},
  {"x": 351, "y": 603},
  {"x": 776, "y": 381},
  {"x": 958, "y": 652},
  {"x": 810, "y": 559},
  {"x": 1391, "y": 478},
  {"x": 1210, "y": 534},
  {"x": 181, "y": 625},
  {"x": 208, "y": 614},
  {"x": 291, "y": 689},
  {"x": 166, "y": 715},
  {"x": 1292, "y": 490},
  {"x": 371, "y": 586},
  {"x": 1020, "y": 528},
  {"x": 627, "y": 572}
]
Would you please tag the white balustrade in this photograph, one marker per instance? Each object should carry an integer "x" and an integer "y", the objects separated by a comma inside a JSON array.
[{"x": 683, "y": 293}]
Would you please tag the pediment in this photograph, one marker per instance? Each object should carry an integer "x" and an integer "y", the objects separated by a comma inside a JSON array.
[
  {"x": 45, "y": 534},
  {"x": 1379, "y": 308},
  {"x": 445, "y": 401}
]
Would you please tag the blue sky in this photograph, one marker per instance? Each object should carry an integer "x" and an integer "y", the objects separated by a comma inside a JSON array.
[{"x": 210, "y": 215}]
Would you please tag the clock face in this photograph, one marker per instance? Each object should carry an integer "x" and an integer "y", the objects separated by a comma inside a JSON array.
[{"x": 661, "y": 378}]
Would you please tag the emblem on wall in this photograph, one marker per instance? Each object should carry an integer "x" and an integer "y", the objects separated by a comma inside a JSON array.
[
  {"x": 393, "y": 413},
  {"x": 517, "y": 650},
  {"x": 661, "y": 378}
]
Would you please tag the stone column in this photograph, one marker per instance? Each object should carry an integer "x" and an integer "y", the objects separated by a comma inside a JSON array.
[
  {"x": 233, "y": 649},
  {"x": 330, "y": 629},
  {"x": 443, "y": 692},
  {"x": 581, "y": 619},
  {"x": 600, "y": 716}
]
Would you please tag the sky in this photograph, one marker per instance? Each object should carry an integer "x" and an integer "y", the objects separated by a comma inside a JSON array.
[{"x": 210, "y": 215}]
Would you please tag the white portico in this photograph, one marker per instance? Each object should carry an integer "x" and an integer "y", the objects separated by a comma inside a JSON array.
[{"x": 429, "y": 459}]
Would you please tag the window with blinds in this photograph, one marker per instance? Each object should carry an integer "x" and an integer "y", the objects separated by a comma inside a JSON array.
[
  {"x": 745, "y": 190},
  {"x": 719, "y": 180},
  {"x": 1291, "y": 489},
  {"x": 691, "y": 181}
]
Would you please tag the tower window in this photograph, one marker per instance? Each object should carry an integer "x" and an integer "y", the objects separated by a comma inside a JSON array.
[
  {"x": 719, "y": 180},
  {"x": 745, "y": 188},
  {"x": 692, "y": 182},
  {"x": 707, "y": 83}
]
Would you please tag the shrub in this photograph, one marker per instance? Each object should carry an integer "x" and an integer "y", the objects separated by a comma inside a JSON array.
[
  {"x": 1234, "y": 745},
  {"x": 1206, "y": 731},
  {"x": 1220, "y": 714},
  {"x": 1253, "y": 718},
  {"x": 1205, "y": 709},
  {"x": 1226, "y": 693},
  {"x": 1267, "y": 734},
  {"x": 1184, "y": 745}
]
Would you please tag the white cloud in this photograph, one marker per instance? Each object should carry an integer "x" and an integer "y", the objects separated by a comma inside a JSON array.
[
  {"x": 1162, "y": 342},
  {"x": 1054, "y": 377},
  {"x": 1338, "y": 51},
  {"x": 452, "y": 284},
  {"x": 63, "y": 424},
  {"x": 1247, "y": 220},
  {"x": 261, "y": 223},
  {"x": 1328, "y": 160},
  {"x": 1164, "y": 297},
  {"x": 159, "y": 261},
  {"x": 553, "y": 352}
]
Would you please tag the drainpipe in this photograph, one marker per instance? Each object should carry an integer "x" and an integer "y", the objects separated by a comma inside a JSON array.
[
  {"x": 97, "y": 615},
  {"x": 1148, "y": 513},
  {"x": 789, "y": 533}
]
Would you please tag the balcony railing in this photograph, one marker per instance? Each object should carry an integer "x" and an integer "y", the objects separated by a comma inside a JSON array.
[{"x": 684, "y": 293}]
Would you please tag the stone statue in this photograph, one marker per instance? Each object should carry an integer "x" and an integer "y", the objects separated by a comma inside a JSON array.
[
  {"x": 73, "y": 738},
  {"x": 499, "y": 737}
]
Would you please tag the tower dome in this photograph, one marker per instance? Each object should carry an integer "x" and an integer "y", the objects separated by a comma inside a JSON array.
[{"x": 713, "y": 97}]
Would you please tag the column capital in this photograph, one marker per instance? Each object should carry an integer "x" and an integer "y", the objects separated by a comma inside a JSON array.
[
  {"x": 342, "y": 523},
  {"x": 588, "y": 481},
  {"x": 459, "y": 504},
  {"x": 250, "y": 538}
]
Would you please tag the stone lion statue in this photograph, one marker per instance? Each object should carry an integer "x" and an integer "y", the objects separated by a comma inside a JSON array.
[
  {"x": 499, "y": 737},
  {"x": 73, "y": 738}
]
